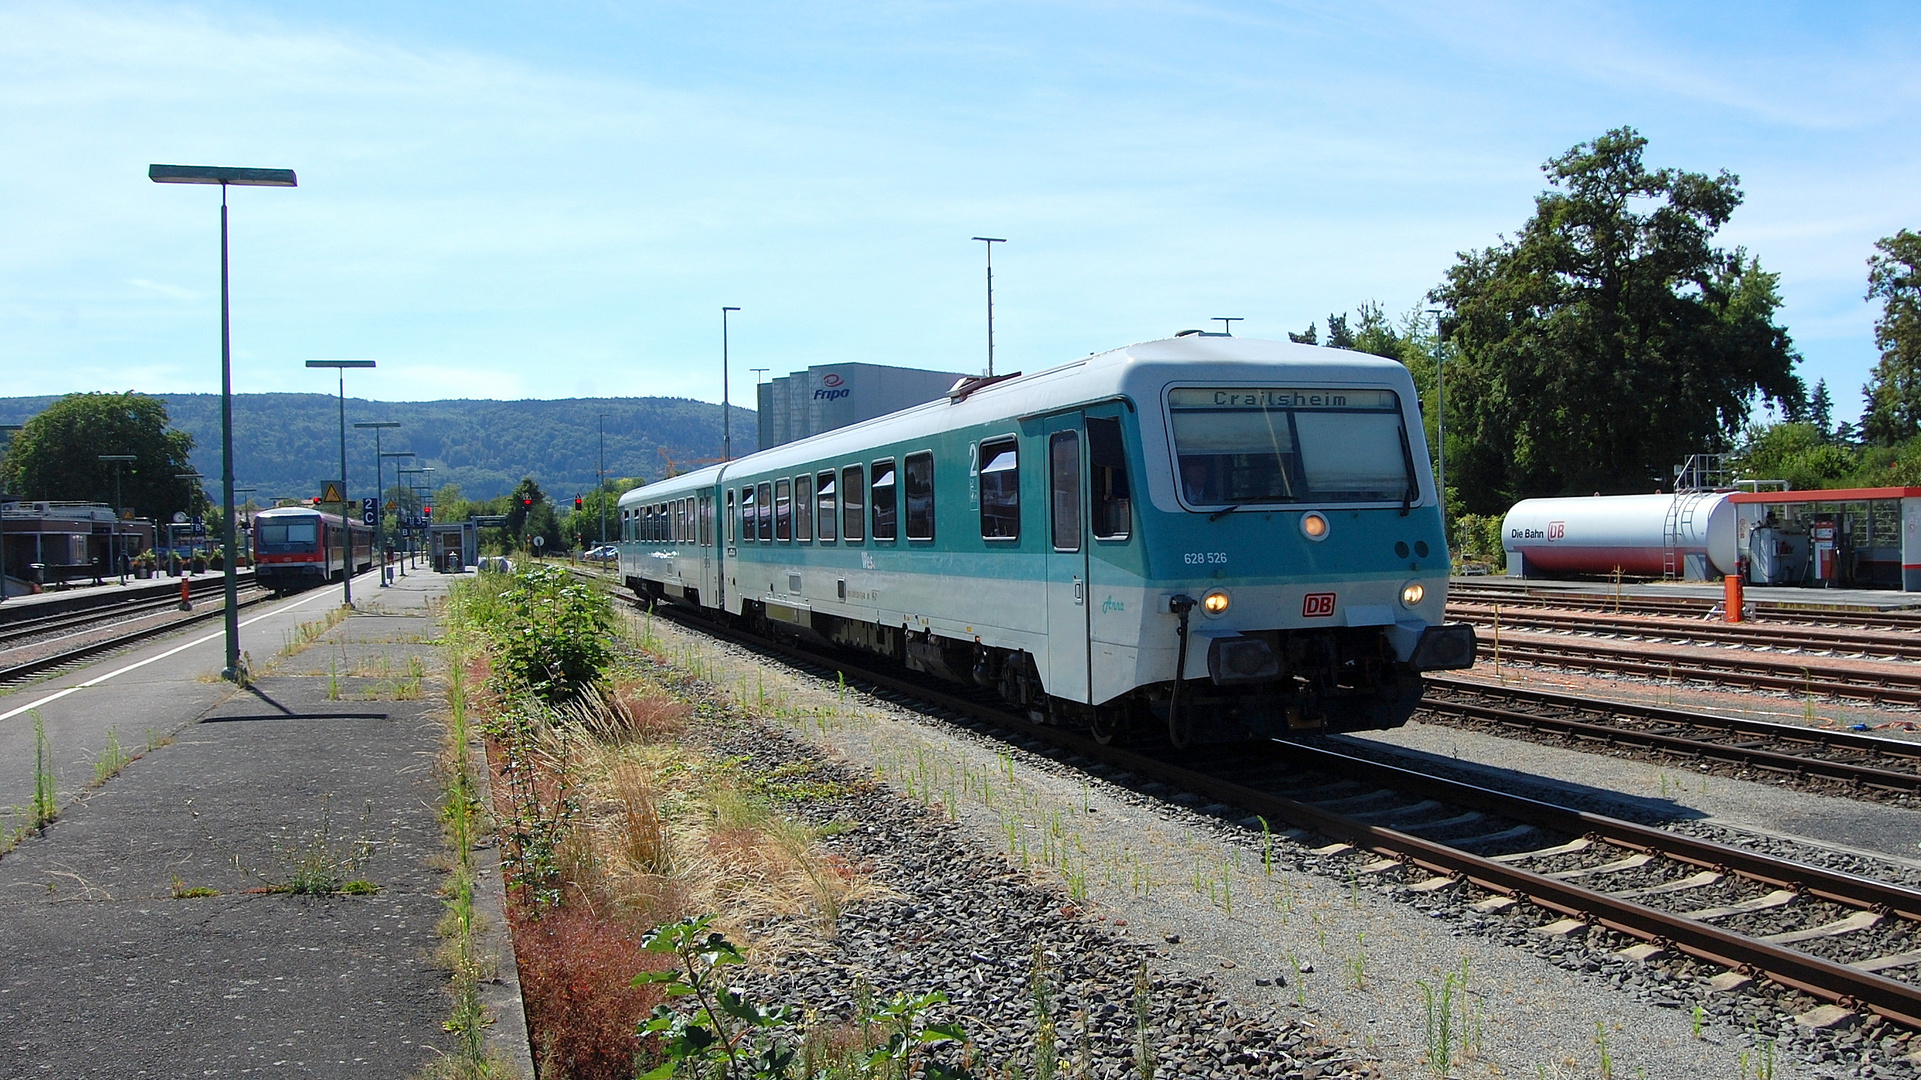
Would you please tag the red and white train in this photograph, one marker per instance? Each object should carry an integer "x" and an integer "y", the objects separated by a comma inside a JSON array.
[{"x": 297, "y": 547}]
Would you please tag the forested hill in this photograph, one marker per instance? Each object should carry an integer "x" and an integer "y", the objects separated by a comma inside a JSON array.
[{"x": 286, "y": 444}]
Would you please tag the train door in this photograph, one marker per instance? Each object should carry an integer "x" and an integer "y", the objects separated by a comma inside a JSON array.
[
  {"x": 709, "y": 581},
  {"x": 1067, "y": 665}
]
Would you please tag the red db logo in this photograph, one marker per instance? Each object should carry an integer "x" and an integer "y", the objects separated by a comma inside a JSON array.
[
  {"x": 1556, "y": 530},
  {"x": 1317, "y": 605}
]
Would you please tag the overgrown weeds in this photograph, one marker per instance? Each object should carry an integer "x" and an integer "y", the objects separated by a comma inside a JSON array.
[{"x": 323, "y": 864}]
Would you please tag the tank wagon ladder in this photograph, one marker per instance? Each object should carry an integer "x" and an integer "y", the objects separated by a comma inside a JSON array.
[{"x": 1701, "y": 473}]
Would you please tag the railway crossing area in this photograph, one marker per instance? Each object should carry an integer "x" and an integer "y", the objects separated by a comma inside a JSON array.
[{"x": 165, "y": 924}]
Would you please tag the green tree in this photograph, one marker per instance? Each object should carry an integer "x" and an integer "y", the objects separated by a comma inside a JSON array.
[
  {"x": 1801, "y": 454},
  {"x": 56, "y": 455},
  {"x": 1611, "y": 338},
  {"x": 1893, "y": 392}
]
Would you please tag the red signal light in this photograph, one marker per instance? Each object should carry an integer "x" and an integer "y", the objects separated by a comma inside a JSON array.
[
  {"x": 528, "y": 503},
  {"x": 576, "y": 503},
  {"x": 426, "y": 511}
]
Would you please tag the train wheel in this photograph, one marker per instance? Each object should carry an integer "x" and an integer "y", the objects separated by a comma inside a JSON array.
[{"x": 1107, "y": 727}]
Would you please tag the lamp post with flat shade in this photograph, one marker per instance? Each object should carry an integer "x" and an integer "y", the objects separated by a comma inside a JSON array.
[
  {"x": 990, "y": 241},
  {"x": 726, "y": 421},
  {"x": 346, "y": 545},
  {"x": 380, "y": 519},
  {"x": 383, "y": 493},
  {"x": 113, "y": 530},
  {"x": 225, "y": 177}
]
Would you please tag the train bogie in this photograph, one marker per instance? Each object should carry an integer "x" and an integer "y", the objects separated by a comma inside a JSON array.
[{"x": 1259, "y": 516}]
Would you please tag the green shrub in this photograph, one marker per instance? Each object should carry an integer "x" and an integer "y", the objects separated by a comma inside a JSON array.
[
  {"x": 1477, "y": 539},
  {"x": 550, "y": 632}
]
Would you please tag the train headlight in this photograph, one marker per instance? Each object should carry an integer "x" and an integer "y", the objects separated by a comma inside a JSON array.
[
  {"x": 1412, "y": 594},
  {"x": 1314, "y": 525},
  {"x": 1215, "y": 603}
]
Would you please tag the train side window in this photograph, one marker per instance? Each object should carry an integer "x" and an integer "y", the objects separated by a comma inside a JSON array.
[
  {"x": 828, "y": 506},
  {"x": 1112, "y": 514},
  {"x": 706, "y": 526},
  {"x": 730, "y": 515},
  {"x": 853, "y": 503},
  {"x": 803, "y": 508},
  {"x": 687, "y": 520},
  {"x": 1000, "y": 490},
  {"x": 644, "y": 523},
  {"x": 764, "y": 511},
  {"x": 783, "y": 510},
  {"x": 886, "y": 508},
  {"x": 747, "y": 515},
  {"x": 1064, "y": 469},
  {"x": 919, "y": 475}
]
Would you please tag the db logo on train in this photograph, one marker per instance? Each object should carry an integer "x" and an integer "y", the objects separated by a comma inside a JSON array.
[
  {"x": 1317, "y": 605},
  {"x": 1556, "y": 530}
]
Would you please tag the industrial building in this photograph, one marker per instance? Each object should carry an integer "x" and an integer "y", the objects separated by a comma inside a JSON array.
[{"x": 830, "y": 396}]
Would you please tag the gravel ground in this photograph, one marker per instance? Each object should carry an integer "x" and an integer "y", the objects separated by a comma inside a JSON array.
[{"x": 1301, "y": 941}]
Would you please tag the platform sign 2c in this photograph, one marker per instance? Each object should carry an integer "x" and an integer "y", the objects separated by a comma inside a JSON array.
[{"x": 370, "y": 511}]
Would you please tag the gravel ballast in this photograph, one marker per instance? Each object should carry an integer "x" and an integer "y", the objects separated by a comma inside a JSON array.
[{"x": 1327, "y": 970}]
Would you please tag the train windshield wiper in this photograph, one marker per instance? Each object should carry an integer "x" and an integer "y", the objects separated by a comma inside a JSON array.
[
  {"x": 1407, "y": 461},
  {"x": 1223, "y": 512}
]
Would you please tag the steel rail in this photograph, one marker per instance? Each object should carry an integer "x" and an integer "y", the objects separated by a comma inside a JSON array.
[
  {"x": 1745, "y": 669},
  {"x": 85, "y": 649},
  {"x": 126, "y": 608},
  {"x": 1906, "y": 646},
  {"x": 1820, "y": 978},
  {"x": 50, "y": 604},
  {"x": 1661, "y": 714},
  {"x": 1811, "y": 612}
]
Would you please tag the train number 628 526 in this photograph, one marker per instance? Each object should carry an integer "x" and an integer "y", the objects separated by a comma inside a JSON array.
[{"x": 1205, "y": 558}]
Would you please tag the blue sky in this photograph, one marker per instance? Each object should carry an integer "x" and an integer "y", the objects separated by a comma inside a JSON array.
[{"x": 555, "y": 199}]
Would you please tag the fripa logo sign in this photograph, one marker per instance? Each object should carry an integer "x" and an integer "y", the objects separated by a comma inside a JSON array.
[{"x": 832, "y": 388}]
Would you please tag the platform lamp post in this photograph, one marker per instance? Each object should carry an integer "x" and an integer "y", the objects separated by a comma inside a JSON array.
[
  {"x": 11, "y": 430},
  {"x": 225, "y": 177},
  {"x": 380, "y": 518},
  {"x": 113, "y": 530},
  {"x": 990, "y": 241},
  {"x": 414, "y": 486},
  {"x": 383, "y": 492},
  {"x": 1440, "y": 416},
  {"x": 346, "y": 549},
  {"x": 195, "y": 477},
  {"x": 726, "y": 421}
]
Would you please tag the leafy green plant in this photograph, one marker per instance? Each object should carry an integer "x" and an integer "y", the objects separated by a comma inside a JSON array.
[
  {"x": 108, "y": 763},
  {"x": 727, "y": 1035},
  {"x": 46, "y": 801},
  {"x": 550, "y": 632}
]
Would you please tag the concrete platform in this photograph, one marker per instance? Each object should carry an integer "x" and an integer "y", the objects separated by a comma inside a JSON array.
[{"x": 115, "y": 961}]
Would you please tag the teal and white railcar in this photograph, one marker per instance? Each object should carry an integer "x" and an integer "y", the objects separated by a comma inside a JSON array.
[{"x": 1261, "y": 514}]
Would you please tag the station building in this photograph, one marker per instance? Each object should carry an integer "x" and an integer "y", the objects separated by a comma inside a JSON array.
[
  {"x": 47, "y": 542},
  {"x": 829, "y": 396}
]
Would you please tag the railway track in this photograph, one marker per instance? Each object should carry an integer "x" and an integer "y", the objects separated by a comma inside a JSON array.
[
  {"x": 1891, "y": 682},
  {"x": 24, "y": 625},
  {"x": 1810, "y": 613},
  {"x": 1884, "y": 644},
  {"x": 1838, "y": 937},
  {"x": 1841, "y": 762},
  {"x": 15, "y": 670}
]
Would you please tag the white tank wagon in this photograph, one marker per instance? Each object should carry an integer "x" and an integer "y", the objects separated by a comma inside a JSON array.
[{"x": 1693, "y": 534}]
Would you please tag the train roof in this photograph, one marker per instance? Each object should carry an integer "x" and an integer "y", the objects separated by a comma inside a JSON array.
[{"x": 1137, "y": 371}]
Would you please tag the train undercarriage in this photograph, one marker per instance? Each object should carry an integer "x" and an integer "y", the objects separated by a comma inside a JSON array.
[{"x": 1263, "y": 685}]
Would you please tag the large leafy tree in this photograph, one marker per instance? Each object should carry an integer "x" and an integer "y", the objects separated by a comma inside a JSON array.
[
  {"x": 56, "y": 455},
  {"x": 1610, "y": 339},
  {"x": 1894, "y": 390}
]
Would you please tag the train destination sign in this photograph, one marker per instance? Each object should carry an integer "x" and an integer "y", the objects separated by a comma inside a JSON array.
[{"x": 1279, "y": 397}]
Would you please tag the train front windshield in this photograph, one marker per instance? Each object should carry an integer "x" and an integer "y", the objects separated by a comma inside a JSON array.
[
  {"x": 1290, "y": 444},
  {"x": 291, "y": 534}
]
